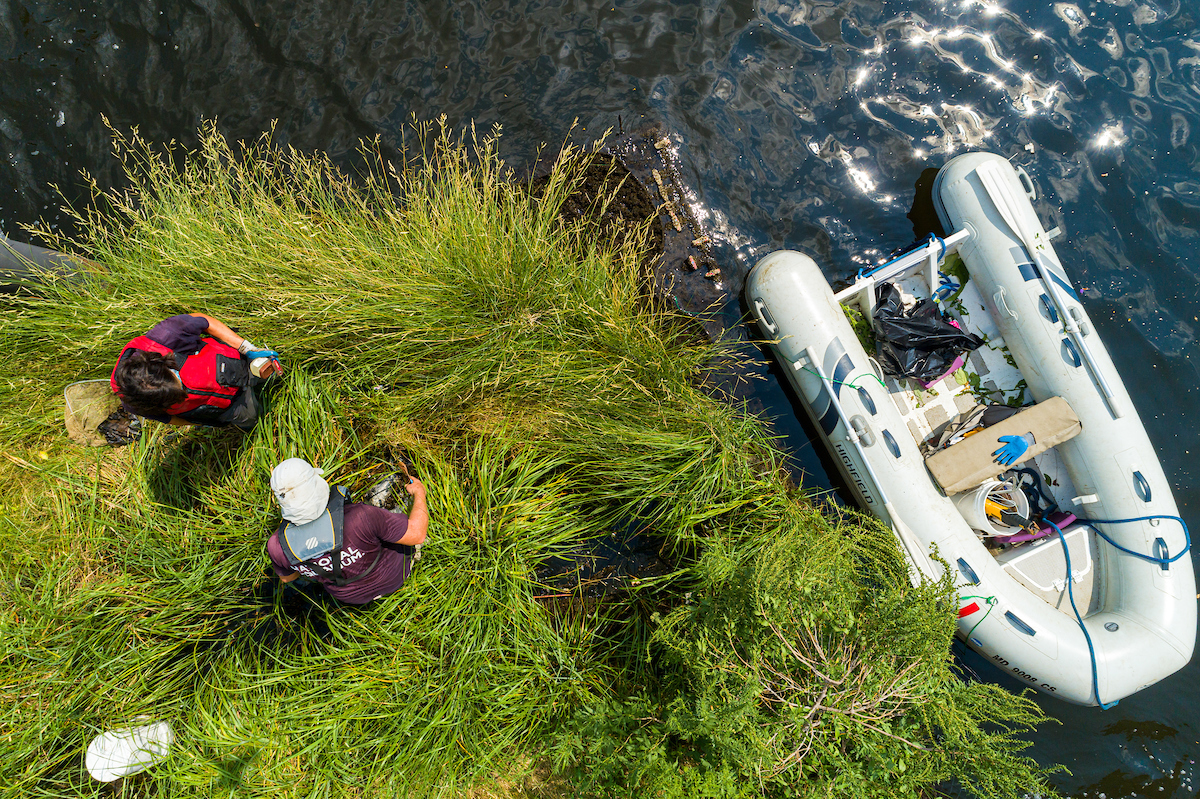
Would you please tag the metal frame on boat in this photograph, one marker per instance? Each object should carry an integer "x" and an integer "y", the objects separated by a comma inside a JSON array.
[{"x": 1096, "y": 601}]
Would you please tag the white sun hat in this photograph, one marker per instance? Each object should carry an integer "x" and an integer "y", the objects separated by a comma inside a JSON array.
[
  {"x": 300, "y": 490},
  {"x": 119, "y": 753}
]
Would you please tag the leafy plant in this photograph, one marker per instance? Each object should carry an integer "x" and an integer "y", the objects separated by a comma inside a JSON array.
[
  {"x": 861, "y": 327},
  {"x": 807, "y": 665}
]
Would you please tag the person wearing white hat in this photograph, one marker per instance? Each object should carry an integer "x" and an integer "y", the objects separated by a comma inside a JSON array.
[{"x": 357, "y": 552}]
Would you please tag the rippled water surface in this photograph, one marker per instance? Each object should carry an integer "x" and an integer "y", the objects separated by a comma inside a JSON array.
[{"x": 803, "y": 124}]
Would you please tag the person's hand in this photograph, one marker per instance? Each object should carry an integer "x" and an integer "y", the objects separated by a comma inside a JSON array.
[
  {"x": 271, "y": 367},
  {"x": 1014, "y": 447},
  {"x": 415, "y": 487}
]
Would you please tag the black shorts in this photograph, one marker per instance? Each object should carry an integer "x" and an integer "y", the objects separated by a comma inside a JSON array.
[{"x": 242, "y": 413}]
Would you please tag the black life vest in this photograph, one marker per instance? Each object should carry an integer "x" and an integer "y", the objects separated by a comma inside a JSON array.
[
  {"x": 318, "y": 544},
  {"x": 212, "y": 377}
]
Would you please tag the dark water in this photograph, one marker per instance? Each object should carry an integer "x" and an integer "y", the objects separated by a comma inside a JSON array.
[{"x": 803, "y": 124}]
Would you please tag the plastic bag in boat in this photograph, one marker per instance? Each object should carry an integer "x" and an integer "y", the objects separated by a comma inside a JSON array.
[{"x": 920, "y": 342}]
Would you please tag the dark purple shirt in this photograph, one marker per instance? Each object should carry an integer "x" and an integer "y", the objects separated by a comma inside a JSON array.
[
  {"x": 182, "y": 333},
  {"x": 365, "y": 530}
]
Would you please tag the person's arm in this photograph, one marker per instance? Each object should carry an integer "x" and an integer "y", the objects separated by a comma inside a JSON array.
[
  {"x": 418, "y": 516},
  {"x": 400, "y": 528},
  {"x": 224, "y": 334},
  {"x": 220, "y": 331},
  {"x": 275, "y": 553}
]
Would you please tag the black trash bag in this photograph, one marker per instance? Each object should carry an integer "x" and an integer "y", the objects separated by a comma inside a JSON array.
[{"x": 920, "y": 343}]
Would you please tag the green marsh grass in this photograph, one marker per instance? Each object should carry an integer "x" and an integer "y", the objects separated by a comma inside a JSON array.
[{"x": 438, "y": 309}]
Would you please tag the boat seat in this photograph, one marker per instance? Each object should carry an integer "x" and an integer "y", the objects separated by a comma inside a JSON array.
[{"x": 966, "y": 464}]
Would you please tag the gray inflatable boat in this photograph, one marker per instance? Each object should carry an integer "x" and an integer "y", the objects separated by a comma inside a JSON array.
[{"x": 1072, "y": 561}]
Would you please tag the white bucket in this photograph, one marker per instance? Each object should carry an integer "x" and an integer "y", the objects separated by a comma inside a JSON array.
[{"x": 971, "y": 506}]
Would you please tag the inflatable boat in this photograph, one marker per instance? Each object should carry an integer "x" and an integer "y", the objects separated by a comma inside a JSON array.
[{"x": 1067, "y": 548}]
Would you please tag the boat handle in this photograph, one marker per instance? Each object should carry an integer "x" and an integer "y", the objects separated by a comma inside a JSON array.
[
  {"x": 1075, "y": 361},
  {"x": 864, "y": 397},
  {"x": 1026, "y": 183},
  {"x": 1020, "y": 624},
  {"x": 764, "y": 316},
  {"x": 967, "y": 571},
  {"x": 1162, "y": 553},
  {"x": 998, "y": 297},
  {"x": 1143, "y": 486},
  {"x": 1051, "y": 311},
  {"x": 892, "y": 446}
]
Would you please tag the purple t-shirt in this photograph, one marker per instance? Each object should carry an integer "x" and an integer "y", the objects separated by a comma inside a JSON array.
[
  {"x": 181, "y": 333},
  {"x": 365, "y": 530}
]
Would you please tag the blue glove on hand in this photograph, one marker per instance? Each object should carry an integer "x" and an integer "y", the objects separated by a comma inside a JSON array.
[
  {"x": 1014, "y": 447},
  {"x": 270, "y": 354}
]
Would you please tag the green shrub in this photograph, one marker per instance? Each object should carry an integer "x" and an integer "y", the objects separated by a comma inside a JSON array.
[{"x": 805, "y": 664}]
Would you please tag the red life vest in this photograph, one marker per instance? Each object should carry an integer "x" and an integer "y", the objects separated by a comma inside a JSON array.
[{"x": 213, "y": 376}]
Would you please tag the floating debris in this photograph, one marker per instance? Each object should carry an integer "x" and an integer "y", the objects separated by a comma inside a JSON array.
[
  {"x": 670, "y": 206},
  {"x": 674, "y": 217},
  {"x": 649, "y": 153}
]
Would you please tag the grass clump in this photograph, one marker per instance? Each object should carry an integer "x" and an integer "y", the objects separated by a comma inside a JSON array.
[{"x": 436, "y": 308}]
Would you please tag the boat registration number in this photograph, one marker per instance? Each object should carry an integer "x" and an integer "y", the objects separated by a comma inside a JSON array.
[{"x": 1045, "y": 686}]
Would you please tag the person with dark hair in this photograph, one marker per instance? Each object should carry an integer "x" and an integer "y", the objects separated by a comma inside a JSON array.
[{"x": 193, "y": 369}]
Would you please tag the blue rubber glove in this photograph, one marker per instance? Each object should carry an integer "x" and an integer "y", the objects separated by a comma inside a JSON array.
[
  {"x": 270, "y": 354},
  {"x": 1014, "y": 447}
]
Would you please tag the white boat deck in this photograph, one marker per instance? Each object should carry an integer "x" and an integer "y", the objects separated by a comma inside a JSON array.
[{"x": 989, "y": 376}]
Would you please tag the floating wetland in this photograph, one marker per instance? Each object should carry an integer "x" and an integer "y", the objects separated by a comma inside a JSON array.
[{"x": 521, "y": 357}]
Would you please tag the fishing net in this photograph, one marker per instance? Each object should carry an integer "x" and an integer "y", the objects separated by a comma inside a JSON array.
[{"x": 95, "y": 418}]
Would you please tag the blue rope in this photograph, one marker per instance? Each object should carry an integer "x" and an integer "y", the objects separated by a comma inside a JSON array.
[
  {"x": 946, "y": 288},
  {"x": 1164, "y": 561},
  {"x": 1078, "y": 618}
]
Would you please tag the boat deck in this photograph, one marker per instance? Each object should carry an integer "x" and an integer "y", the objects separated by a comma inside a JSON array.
[{"x": 990, "y": 376}]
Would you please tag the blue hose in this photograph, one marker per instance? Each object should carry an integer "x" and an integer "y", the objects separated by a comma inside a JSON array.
[
  {"x": 1162, "y": 561},
  {"x": 1078, "y": 618}
]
